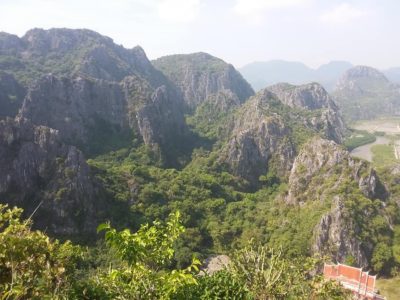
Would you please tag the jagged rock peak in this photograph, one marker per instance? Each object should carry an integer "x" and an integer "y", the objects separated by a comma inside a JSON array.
[
  {"x": 258, "y": 136},
  {"x": 199, "y": 75},
  {"x": 309, "y": 96},
  {"x": 61, "y": 39},
  {"x": 319, "y": 158},
  {"x": 326, "y": 119},
  {"x": 34, "y": 155},
  {"x": 78, "y": 51},
  {"x": 10, "y": 43}
]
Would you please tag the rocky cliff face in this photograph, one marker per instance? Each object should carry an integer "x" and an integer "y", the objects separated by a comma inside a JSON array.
[
  {"x": 257, "y": 138},
  {"x": 310, "y": 96},
  {"x": 272, "y": 124},
  {"x": 38, "y": 169},
  {"x": 100, "y": 94},
  {"x": 334, "y": 236},
  {"x": 325, "y": 157},
  {"x": 79, "y": 108},
  {"x": 200, "y": 75},
  {"x": 364, "y": 93},
  {"x": 90, "y": 89},
  {"x": 323, "y": 171},
  {"x": 313, "y": 97},
  {"x": 72, "y": 106},
  {"x": 11, "y": 95},
  {"x": 75, "y": 51}
]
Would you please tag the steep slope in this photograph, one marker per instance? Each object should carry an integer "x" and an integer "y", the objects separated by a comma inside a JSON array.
[
  {"x": 257, "y": 136},
  {"x": 365, "y": 93},
  {"x": 262, "y": 168},
  {"x": 89, "y": 112},
  {"x": 313, "y": 97},
  {"x": 324, "y": 172},
  {"x": 309, "y": 96},
  {"x": 11, "y": 95},
  {"x": 99, "y": 95},
  {"x": 265, "y": 133},
  {"x": 199, "y": 75},
  {"x": 64, "y": 51},
  {"x": 37, "y": 169}
]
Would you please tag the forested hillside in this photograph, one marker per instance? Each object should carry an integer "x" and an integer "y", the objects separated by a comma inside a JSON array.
[{"x": 92, "y": 133}]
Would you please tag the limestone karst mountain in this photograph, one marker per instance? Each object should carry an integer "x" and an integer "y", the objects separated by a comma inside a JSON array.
[
  {"x": 364, "y": 93},
  {"x": 200, "y": 75},
  {"x": 327, "y": 116},
  {"x": 184, "y": 132},
  {"x": 39, "y": 170}
]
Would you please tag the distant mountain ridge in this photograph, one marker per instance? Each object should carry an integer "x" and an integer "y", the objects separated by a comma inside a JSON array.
[
  {"x": 263, "y": 74},
  {"x": 365, "y": 93}
]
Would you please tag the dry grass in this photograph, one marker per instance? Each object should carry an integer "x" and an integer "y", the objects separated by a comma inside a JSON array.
[{"x": 390, "y": 288}]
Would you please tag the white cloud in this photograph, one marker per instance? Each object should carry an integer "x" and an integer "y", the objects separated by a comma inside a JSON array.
[
  {"x": 342, "y": 14},
  {"x": 249, "y": 8},
  {"x": 178, "y": 11}
]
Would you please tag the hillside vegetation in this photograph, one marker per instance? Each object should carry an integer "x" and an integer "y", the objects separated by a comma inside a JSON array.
[{"x": 179, "y": 160}]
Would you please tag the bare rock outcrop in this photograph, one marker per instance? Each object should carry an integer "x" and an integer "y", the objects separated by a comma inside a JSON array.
[
  {"x": 326, "y": 116},
  {"x": 335, "y": 236},
  {"x": 78, "y": 108},
  {"x": 320, "y": 157},
  {"x": 257, "y": 138},
  {"x": 12, "y": 94},
  {"x": 323, "y": 171},
  {"x": 200, "y": 75},
  {"x": 38, "y": 169}
]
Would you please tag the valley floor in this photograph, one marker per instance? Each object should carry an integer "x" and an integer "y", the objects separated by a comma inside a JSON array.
[{"x": 386, "y": 148}]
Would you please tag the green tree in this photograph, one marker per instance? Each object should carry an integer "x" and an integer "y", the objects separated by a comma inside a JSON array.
[
  {"x": 381, "y": 258},
  {"x": 32, "y": 266},
  {"x": 146, "y": 254}
]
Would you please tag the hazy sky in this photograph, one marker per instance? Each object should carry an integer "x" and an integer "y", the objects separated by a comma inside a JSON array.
[{"x": 238, "y": 31}]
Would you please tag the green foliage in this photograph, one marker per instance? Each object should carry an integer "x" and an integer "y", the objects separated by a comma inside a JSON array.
[
  {"x": 137, "y": 266},
  {"x": 145, "y": 253},
  {"x": 220, "y": 285},
  {"x": 104, "y": 137},
  {"x": 31, "y": 265},
  {"x": 150, "y": 244},
  {"x": 359, "y": 138},
  {"x": 268, "y": 275},
  {"x": 350, "y": 260},
  {"x": 382, "y": 257},
  {"x": 383, "y": 155},
  {"x": 210, "y": 119}
]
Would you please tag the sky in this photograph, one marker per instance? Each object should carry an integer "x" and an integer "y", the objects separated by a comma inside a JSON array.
[{"x": 239, "y": 31}]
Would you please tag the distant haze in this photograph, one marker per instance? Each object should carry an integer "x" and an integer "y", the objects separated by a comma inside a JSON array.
[
  {"x": 239, "y": 31},
  {"x": 263, "y": 74}
]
